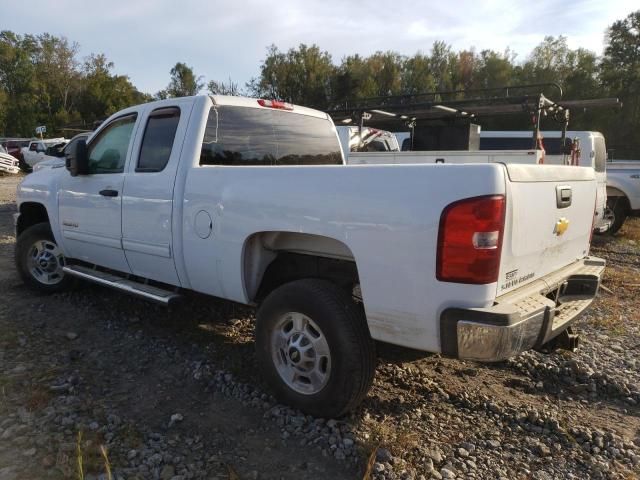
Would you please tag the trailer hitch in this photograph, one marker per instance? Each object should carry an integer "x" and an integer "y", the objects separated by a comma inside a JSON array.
[{"x": 567, "y": 340}]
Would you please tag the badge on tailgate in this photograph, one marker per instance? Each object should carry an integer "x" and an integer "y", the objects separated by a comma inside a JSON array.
[{"x": 561, "y": 226}]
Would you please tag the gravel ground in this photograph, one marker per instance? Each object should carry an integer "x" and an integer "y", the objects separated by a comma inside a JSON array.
[{"x": 92, "y": 380}]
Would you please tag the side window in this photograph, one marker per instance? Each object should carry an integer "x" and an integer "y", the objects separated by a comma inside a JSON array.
[
  {"x": 157, "y": 142},
  {"x": 33, "y": 147},
  {"x": 244, "y": 137},
  {"x": 108, "y": 151}
]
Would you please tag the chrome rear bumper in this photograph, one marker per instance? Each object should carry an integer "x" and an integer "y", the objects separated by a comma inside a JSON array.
[{"x": 526, "y": 318}]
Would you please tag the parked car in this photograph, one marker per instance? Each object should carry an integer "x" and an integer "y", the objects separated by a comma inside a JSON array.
[
  {"x": 56, "y": 156},
  {"x": 14, "y": 147},
  {"x": 250, "y": 200},
  {"x": 36, "y": 151},
  {"x": 623, "y": 191},
  {"x": 589, "y": 150},
  {"x": 354, "y": 139},
  {"x": 8, "y": 163}
]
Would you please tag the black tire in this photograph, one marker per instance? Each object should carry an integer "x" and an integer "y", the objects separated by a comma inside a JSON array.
[
  {"x": 24, "y": 166},
  {"x": 342, "y": 322},
  {"x": 618, "y": 211},
  {"x": 24, "y": 244}
]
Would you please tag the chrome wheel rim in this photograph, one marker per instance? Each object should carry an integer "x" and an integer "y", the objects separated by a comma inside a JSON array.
[
  {"x": 45, "y": 261},
  {"x": 300, "y": 353},
  {"x": 610, "y": 215}
]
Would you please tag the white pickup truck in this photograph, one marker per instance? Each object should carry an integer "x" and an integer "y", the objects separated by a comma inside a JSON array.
[
  {"x": 250, "y": 200},
  {"x": 623, "y": 191},
  {"x": 36, "y": 151}
]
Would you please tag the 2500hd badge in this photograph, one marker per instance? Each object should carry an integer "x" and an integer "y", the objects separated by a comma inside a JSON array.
[{"x": 513, "y": 279}]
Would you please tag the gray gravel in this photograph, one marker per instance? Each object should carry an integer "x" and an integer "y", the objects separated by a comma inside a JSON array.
[{"x": 176, "y": 395}]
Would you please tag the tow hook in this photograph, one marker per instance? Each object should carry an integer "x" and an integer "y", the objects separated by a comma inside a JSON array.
[{"x": 567, "y": 340}]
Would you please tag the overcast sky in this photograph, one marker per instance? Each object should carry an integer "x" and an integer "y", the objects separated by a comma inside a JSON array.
[{"x": 228, "y": 38}]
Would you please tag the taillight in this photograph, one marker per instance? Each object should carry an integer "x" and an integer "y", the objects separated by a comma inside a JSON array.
[
  {"x": 275, "y": 104},
  {"x": 470, "y": 240}
]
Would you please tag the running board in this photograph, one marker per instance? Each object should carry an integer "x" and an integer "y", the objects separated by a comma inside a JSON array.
[{"x": 120, "y": 283}]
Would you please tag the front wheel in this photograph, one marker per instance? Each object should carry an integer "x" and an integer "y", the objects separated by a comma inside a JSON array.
[
  {"x": 314, "y": 348},
  {"x": 39, "y": 260}
]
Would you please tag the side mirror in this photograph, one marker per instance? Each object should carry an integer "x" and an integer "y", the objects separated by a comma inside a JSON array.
[{"x": 77, "y": 158}]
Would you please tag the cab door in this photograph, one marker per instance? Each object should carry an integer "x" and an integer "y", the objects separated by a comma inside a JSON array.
[
  {"x": 90, "y": 206},
  {"x": 148, "y": 193}
]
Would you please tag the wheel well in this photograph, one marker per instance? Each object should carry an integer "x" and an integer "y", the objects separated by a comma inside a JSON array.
[
  {"x": 272, "y": 259},
  {"x": 30, "y": 214},
  {"x": 620, "y": 196}
]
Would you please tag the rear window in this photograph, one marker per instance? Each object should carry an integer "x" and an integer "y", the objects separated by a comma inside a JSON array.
[
  {"x": 257, "y": 136},
  {"x": 600, "y": 149}
]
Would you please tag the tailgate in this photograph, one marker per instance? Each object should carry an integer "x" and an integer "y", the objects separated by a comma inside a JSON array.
[{"x": 548, "y": 221}]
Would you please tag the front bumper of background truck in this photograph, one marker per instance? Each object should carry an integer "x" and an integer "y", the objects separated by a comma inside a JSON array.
[{"x": 528, "y": 317}]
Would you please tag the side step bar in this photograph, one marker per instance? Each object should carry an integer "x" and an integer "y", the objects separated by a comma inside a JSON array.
[{"x": 119, "y": 283}]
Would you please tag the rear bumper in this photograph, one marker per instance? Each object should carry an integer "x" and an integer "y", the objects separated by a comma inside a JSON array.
[{"x": 523, "y": 319}]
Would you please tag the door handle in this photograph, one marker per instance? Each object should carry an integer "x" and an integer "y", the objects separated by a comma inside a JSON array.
[{"x": 108, "y": 193}]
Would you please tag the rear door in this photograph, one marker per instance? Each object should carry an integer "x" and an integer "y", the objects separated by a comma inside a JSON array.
[
  {"x": 548, "y": 221},
  {"x": 148, "y": 193}
]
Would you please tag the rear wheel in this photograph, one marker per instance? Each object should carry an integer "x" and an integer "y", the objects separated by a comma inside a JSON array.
[
  {"x": 39, "y": 260},
  {"x": 314, "y": 348},
  {"x": 616, "y": 212}
]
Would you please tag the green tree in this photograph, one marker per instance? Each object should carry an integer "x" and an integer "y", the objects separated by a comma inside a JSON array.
[
  {"x": 302, "y": 75},
  {"x": 18, "y": 82},
  {"x": 222, "y": 88},
  {"x": 417, "y": 76},
  {"x": 102, "y": 92},
  {"x": 620, "y": 74},
  {"x": 184, "y": 82},
  {"x": 493, "y": 69},
  {"x": 57, "y": 76}
]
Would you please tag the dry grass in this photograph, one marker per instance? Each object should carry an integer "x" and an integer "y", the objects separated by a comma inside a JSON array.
[
  {"x": 107, "y": 463},
  {"x": 631, "y": 229},
  {"x": 618, "y": 303},
  {"x": 386, "y": 434},
  {"x": 616, "y": 308},
  {"x": 369, "y": 467},
  {"x": 91, "y": 457},
  {"x": 79, "y": 456}
]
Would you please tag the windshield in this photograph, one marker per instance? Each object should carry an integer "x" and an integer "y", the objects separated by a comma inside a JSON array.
[{"x": 2, "y": 149}]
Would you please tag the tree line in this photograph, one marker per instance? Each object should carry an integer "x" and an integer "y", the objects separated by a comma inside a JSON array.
[{"x": 43, "y": 81}]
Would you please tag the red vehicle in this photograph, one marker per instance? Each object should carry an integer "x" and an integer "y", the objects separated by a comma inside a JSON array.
[{"x": 14, "y": 148}]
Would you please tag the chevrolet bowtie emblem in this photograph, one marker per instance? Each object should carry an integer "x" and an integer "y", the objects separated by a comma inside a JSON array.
[{"x": 561, "y": 226}]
